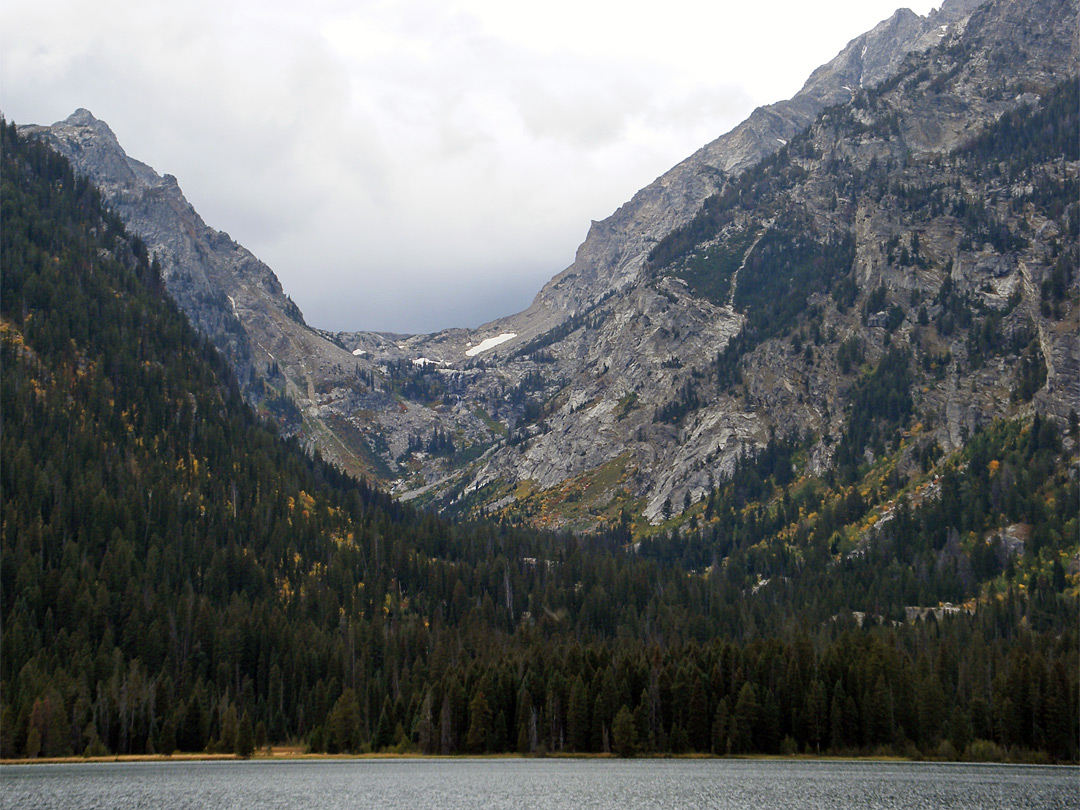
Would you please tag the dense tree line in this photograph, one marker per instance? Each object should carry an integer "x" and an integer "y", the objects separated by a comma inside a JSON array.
[{"x": 174, "y": 576}]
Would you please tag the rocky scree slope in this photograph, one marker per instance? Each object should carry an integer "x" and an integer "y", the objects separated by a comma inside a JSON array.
[{"x": 884, "y": 258}]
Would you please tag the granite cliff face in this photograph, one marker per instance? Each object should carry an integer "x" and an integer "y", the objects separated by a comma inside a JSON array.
[
  {"x": 201, "y": 267},
  {"x": 870, "y": 232},
  {"x": 229, "y": 295},
  {"x": 614, "y": 252},
  {"x": 623, "y": 353}
]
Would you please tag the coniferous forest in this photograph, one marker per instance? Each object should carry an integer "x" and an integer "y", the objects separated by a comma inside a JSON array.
[{"x": 177, "y": 577}]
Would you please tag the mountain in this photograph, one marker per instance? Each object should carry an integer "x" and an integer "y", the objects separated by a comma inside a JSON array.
[
  {"x": 175, "y": 575},
  {"x": 677, "y": 340},
  {"x": 615, "y": 252},
  {"x": 229, "y": 295},
  {"x": 752, "y": 291},
  {"x": 238, "y": 302}
]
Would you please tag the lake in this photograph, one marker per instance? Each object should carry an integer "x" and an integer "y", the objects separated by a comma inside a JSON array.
[{"x": 494, "y": 784}]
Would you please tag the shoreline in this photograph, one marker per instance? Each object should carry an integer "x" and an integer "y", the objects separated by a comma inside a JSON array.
[{"x": 296, "y": 753}]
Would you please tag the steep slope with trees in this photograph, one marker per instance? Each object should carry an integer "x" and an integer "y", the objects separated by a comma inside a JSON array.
[
  {"x": 231, "y": 297},
  {"x": 175, "y": 576}
]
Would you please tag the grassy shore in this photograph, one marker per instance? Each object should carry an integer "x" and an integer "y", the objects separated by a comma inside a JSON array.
[{"x": 293, "y": 752}]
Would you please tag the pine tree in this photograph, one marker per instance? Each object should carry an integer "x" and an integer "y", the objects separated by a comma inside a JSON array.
[
  {"x": 745, "y": 720},
  {"x": 425, "y": 725},
  {"x": 167, "y": 739},
  {"x": 880, "y": 714},
  {"x": 33, "y": 742},
  {"x": 476, "y": 740},
  {"x": 698, "y": 726},
  {"x": 260, "y": 735},
  {"x": 384, "y": 728},
  {"x": 624, "y": 733},
  {"x": 817, "y": 715},
  {"x": 229, "y": 728},
  {"x": 577, "y": 717},
  {"x": 245, "y": 736},
  {"x": 721, "y": 726},
  {"x": 343, "y": 724}
]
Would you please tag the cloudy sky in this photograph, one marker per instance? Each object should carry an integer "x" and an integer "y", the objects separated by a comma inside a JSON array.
[{"x": 409, "y": 165}]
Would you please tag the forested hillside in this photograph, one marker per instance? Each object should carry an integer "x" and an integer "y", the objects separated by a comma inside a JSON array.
[{"x": 174, "y": 576}]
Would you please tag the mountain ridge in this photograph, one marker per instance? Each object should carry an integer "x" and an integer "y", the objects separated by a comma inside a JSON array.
[
  {"x": 229, "y": 294},
  {"x": 603, "y": 375},
  {"x": 869, "y": 57},
  {"x": 652, "y": 329}
]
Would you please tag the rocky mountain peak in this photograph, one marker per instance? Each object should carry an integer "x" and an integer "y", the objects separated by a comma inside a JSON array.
[
  {"x": 614, "y": 251},
  {"x": 228, "y": 294},
  {"x": 82, "y": 117}
]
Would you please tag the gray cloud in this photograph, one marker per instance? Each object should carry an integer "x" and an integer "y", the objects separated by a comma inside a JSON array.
[{"x": 412, "y": 165}]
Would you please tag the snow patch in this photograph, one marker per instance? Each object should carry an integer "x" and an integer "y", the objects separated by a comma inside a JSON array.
[
  {"x": 232, "y": 301},
  {"x": 944, "y": 30},
  {"x": 490, "y": 343},
  {"x": 864, "y": 49},
  {"x": 358, "y": 352},
  {"x": 782, "y": 141},
  {"x": 423, "y": 362}
]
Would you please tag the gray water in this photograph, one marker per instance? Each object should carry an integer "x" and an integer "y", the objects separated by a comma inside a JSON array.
[{"x": 450, "y": 784}]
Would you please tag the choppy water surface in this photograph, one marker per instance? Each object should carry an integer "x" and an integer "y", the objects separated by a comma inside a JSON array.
[{"x": 497, "y": 784}]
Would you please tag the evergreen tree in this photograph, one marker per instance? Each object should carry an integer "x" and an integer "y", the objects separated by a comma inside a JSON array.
[
  {"x": 698, "y": 726},
  {"x": 817, "y": 715},
  {"x": 745, "y": 720},
  {"x": 577, "y": 717},
  {"x": 624, "y": 733},
  {"x": 721, "y": 730},
  {"x": 229, "y": 729},
  {"x": 167, "y": 739},
  {"x": 476, "y": 740},
  {"x": 245, "y": 737},
  {"x": 343, "y": 724},
  {"x": 425, "y": 725},
  {"x": 384, "y": 728},
  {"x": 838, "y": 732}
]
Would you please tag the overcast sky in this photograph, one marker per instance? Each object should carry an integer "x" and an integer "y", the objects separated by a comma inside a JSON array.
[{"x": 410, "y": 165}]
